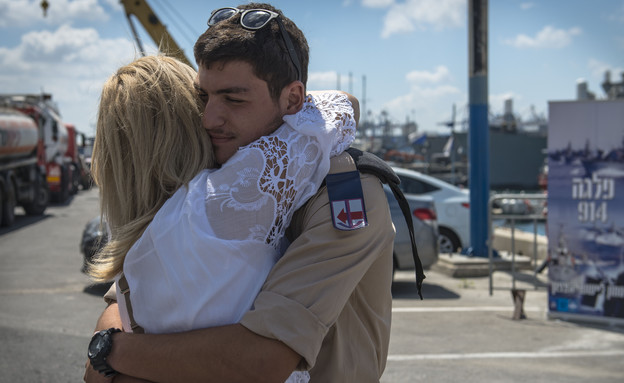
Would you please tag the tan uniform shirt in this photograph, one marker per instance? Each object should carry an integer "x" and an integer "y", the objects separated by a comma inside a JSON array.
[{"x": 329, "y": 297}]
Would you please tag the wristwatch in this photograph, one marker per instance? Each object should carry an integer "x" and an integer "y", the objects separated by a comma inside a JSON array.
[{"x": 100, "y": 346}]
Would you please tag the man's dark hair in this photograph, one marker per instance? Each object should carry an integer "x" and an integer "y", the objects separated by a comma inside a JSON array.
[{"x": 264, "y": 49}]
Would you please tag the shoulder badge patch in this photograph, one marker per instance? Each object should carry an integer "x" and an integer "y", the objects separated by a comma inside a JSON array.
[{"x": 346, "y": 200}]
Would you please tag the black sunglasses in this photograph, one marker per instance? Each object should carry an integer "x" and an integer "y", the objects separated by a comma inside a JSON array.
[{"x": 254, "y": 19}]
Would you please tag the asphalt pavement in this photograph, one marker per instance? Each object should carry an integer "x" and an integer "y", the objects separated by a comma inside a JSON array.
[
  {"x": 462, "y": 333},
  {"x": 458, "y": 333}
]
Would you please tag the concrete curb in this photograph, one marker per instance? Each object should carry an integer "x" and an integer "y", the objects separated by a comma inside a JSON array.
[{"x": 462, "y": 266}]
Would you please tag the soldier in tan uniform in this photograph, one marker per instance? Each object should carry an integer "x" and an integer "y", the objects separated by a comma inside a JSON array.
[
  {"x": 326, "y": 305},
  {"x": 329, "y": 297}
]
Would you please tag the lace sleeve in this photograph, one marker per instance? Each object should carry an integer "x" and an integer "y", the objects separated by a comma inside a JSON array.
[
  {"x": 256, "y": 192},
  {"x": 337, "y": 112}
]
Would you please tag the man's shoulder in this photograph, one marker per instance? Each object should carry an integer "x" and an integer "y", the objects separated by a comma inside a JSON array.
[
  {"x": 342, "y": 163},
  {"x": 317, "y": 209},
  {"x": 365, "y": 162}
]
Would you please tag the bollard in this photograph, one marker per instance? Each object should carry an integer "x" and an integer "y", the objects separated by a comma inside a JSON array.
[{"x": 518, "y": 298}]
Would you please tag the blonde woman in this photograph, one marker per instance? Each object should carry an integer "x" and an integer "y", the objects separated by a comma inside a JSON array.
[{"x": 195, "y": 244}]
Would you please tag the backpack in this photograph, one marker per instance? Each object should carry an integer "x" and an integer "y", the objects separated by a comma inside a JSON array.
[{"x": 369, "y": 163}]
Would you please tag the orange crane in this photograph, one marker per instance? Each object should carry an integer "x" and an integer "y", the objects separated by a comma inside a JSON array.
[{"x": 152, "y": 25}]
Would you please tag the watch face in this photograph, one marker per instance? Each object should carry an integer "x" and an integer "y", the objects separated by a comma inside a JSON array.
[{"x": 96, "y": 345}]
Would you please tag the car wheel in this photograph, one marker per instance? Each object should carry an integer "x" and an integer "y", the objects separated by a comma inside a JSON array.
[
  {"x": 9, "y": 204},
  {"x": 448, "y": 241}
]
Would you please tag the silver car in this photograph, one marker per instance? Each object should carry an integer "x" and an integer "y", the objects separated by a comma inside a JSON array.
[{"x": 425, "y": 231}]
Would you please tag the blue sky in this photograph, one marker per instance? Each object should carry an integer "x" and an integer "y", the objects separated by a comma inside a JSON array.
[{"x": 414, "y": 53}]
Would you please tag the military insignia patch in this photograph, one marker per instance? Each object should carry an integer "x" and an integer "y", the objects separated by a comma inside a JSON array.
[{"x": 346, "y": 200}]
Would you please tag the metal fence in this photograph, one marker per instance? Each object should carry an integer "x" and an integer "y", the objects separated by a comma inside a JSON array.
[{"x": 500, "y": 209}]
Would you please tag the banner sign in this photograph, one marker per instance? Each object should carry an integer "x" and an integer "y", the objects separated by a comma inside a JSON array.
[{"x": 586, "y": 209}]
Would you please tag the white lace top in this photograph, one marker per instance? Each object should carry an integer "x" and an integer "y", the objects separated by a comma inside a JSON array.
[{"x": 204, "y": 257}]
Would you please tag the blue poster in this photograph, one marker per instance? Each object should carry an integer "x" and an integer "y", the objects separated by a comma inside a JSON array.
[{"x": 586, "y": 208}]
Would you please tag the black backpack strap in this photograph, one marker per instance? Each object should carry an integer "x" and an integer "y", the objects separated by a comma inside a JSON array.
[{"x": 369, "y": 163}]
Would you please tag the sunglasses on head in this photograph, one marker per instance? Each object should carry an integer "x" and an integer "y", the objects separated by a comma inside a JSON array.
[{"x": 254, "y": 19}]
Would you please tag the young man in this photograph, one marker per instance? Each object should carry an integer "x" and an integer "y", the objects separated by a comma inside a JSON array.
[{"x": 326, "y": 305}]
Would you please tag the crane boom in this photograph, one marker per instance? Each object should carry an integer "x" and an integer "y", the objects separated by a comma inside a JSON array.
[{"x": 152, "y": 25}]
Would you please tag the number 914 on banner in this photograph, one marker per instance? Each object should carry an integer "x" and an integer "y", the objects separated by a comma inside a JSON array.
[
  {"x": 592, "y": 211},
  {"x": 593, "y": 193}
]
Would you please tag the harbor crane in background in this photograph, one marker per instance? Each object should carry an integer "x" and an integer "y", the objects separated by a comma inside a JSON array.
[
  {"x": 141, "y": 10},
  {"x": 450, "y": 145},
  {"x": 152, "y": 25}
]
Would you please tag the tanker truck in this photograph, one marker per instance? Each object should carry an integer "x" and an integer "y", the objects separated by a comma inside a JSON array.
[
  {"x": 33, "y": 143},
  {"x": 80, "y": 172}
]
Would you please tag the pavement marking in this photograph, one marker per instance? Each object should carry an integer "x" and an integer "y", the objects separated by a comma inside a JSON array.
[
  {"x": 507, "y": 355},
  {"x": 461, "y": 309}
]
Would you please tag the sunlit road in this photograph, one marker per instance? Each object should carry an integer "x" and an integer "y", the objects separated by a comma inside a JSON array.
[
  {"x": 459, "y": 333},
  {"x": 48, "y": 309}
]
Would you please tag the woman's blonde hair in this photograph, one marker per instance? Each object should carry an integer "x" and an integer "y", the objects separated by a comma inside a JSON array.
[{"x": 149, "y": 142}]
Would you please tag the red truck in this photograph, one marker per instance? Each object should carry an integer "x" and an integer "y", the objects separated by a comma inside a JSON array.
[
  {"x": 33, "y": 165},
  {"x": 79, "y": 169}
]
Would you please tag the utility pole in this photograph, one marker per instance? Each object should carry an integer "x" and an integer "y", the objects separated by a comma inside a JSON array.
[
  {"x": 479, "y": 134},
  {"x": 364, "y": 97},
  {"x": 453, "y": 143}
]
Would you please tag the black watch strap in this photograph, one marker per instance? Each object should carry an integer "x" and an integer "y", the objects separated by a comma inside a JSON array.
[
  {"x": 103, "y": 368},
  {"x": 99, "y": 361}
]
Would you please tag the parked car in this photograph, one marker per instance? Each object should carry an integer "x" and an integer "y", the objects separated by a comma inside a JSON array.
[
  {"x": 425, "y": 231},
  {"x": 452, "y": 207}
]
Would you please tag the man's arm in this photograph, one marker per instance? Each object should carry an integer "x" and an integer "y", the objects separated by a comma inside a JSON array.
[
  {"x": 220, "y": 354},
  {"x": 108, "y": 319}
]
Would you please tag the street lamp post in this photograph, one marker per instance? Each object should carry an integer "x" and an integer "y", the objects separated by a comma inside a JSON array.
[{"x": 479, "y": 137}]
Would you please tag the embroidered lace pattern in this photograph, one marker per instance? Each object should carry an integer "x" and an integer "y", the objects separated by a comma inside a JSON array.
[{"x": 273, "y": 176}]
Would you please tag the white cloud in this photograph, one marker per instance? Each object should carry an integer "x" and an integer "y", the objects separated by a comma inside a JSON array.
[
  {"x": 322, "y": 80},
  {"x": 70, "y": 63},
  {"x": 548, "y": 37},
  {"x": 22, "y": 13},
  {"x": 19, "y": 13},
  {"x": 427, "y": 106},
  {"x": 377, "y": 3},
  {"x": 114, "y": 4},
  {"x": 440, "y": 74},
  {"x": 65, "y": 49},
  {"x": 424, "y": 14},
  {"x": 527, "y": 6},
  {"x": 428, "y": 100}
]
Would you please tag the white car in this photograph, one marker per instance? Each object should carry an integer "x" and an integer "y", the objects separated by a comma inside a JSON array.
[{"x": 452, "y": 206}]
